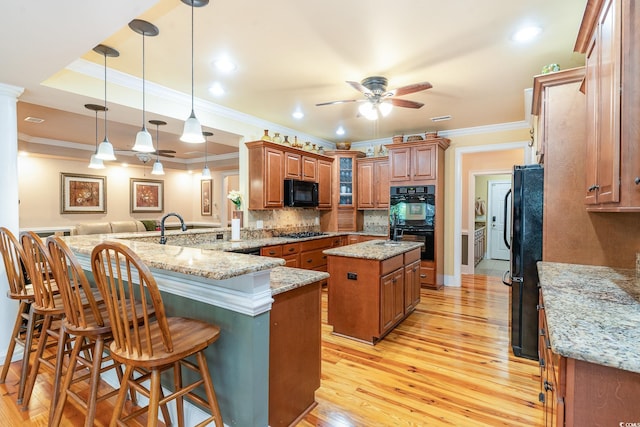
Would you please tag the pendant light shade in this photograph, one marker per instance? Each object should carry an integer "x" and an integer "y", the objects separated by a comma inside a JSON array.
[
  {"x": 192, "y": 132},
  {"x": 144, "y": 143},
  {"x": 206, "y": 173},
  {"x": 157, "y": 166},
  {"x": 105, "y": 149},
  {"x": 95, "y": 163}
]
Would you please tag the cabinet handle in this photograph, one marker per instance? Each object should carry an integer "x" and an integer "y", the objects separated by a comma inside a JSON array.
[
  {"x": 272, "y": 253},
  {"x": 423, "y": 276},
  {"x": 547, "y": 342},
  {"x": 541, "y": 362},
  {"x": 541, "y": 397},
  {"x": 593, "y": 188},
  {"x": 292, "y": 249},
  {"x": 637, "y": 180},
  {"x": 542, "y": 332},
  {"x": 548, "y": 386},
  {"x": 540, "y": 307},
  {"x": 309, "y": 261}
]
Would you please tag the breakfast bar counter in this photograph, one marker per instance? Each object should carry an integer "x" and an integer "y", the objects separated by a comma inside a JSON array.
[{"x": 235, "y": 292}]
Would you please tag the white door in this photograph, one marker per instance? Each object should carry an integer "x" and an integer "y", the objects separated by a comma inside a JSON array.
[{"x": 496, "y": 220}]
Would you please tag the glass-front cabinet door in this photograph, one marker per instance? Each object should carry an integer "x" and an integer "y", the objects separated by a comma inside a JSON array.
[{"x": 346, "y": 181}]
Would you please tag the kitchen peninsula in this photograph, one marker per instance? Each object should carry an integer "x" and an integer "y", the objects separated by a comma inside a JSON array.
[
  {"x": 243, "y": 295},
  {"x": 373, "y": 286},
  {"x": 589, "y": 344}
]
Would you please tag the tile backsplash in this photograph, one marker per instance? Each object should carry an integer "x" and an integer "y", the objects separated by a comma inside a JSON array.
[{"x": 284, "y": 218}]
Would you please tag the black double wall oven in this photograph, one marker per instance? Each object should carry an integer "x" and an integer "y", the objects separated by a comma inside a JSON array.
[{"x": 412, "y": 216}]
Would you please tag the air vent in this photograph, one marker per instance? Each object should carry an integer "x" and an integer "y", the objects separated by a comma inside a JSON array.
[
  {"x": 440, "y": 118},
  {"x": 33, "y": 120}
]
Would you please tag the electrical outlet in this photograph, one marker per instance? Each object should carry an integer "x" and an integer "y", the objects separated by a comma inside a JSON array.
[
  {"x": 219, "y": 236},
  {"x": 259, "y": 224}
]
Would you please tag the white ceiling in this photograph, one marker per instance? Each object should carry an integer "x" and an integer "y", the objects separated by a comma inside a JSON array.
[{"x": 289, "y": 54}]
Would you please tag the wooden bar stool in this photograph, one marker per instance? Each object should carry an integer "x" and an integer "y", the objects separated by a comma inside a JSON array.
[
  {"x": 20, "y": 289},
  {"x": 87, "y": 320},
  {"x": 157, "y": 344},
  {"x": 48, "y": 304}
]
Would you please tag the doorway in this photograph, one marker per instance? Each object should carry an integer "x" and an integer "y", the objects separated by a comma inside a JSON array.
[{"x": 498, "y": 219}]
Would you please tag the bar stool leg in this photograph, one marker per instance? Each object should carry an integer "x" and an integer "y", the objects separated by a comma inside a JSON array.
[
  {"x": 208, "y": 387},
  {"x": 154, "y": 399},
  {"x": 122, "y": 394},
  {"x": 95, "y": 380},
  {"x": 62, "y": 398},
  {"x": 62, "y": 342},
  {"x": 28, "y": 342},
  {"x": 14, "y": 337},
  {"x": 33, "y": 373},
  {"x": 177, "y": 381}
]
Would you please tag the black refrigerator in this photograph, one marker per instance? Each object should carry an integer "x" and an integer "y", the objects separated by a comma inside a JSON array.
[{"x": 525, "y": 244}]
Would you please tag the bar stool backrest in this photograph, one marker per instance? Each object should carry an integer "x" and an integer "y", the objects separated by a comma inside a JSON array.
[
  {"x": 124, "y": 281},
  {"x": 80, "y": 306},
  {"x": 13, "y": 257},
  {"x": 38, "y": 265}
]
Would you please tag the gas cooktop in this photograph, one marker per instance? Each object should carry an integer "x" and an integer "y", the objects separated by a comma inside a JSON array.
[{"x": 303, "y": 234}]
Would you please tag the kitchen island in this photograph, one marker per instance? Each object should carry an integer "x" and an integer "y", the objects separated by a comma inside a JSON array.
[
  {"x": 236, "y": 292},
  {"x": 373, "y": 286},
  {"x": 589, "y": 344}
]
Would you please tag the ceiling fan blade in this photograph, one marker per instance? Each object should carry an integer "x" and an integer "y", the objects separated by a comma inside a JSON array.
[
  {"x": 405, "y": 103},
  {"x": 359, "y": 87},
  {"x": 416, "y": 87},
  {"x": 164, "y": 154},
  {"x": 336, "y": 102}
]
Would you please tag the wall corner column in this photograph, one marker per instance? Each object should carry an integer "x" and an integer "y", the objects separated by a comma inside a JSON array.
[{"x": 9, "y": 211}]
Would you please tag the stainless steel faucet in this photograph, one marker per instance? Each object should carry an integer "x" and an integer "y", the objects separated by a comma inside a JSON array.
[{"x": 163, "y": 239}]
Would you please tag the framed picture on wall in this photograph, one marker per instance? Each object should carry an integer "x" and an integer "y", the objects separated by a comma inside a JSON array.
[
  {"x": 83, "y": 193},
  {"x": 205, "y": 197},
  {"x": 147, "y": 195}
]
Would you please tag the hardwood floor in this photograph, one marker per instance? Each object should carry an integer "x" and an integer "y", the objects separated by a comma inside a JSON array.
[{"x": 448, "y": 363}]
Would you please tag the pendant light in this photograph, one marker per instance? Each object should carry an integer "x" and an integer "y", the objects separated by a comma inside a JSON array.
[
  {"x": 157, "y": 166},
  {"x": 192, "y": 129},
  {"x": 143, "y": 143},
  {"x": 105, "y": 149},
  {"x": 95, "y": 163},
  {"x": 206, "y": 173}
]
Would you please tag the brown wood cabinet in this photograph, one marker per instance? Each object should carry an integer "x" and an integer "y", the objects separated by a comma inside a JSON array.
[
  {"x": 325, "y": 189},
  {"x": 373, "y": 183},
  {"x": 368, "y": 298},
  {"x": 416, "y": 162},
  {"x": 294, "y": 353},
  {"x": 609, "y": 36},
  {"x": 478, "y": 245},
  {"x": 344, "y": 215},
  {"x": 271, "y": 163},
  {"x": 578, "y": 393},
  {"x": 422, "y": 163}
]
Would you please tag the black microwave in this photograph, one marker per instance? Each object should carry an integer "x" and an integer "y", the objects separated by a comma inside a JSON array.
[{"x": 300, "y": 194}]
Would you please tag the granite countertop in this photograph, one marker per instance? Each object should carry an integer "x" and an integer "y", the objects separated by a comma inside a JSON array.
[
  {"x": 593, "y": 313},
  {"x": 216, "y": 265},
  {"x": 284, "y": 279},
  {"x": 374, "y": 249}
]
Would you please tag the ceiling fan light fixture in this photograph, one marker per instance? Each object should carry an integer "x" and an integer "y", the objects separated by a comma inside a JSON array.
[
  {"x": 192, "y": 131},
  {"x": 298, "y": 114},
  {"x": 385, "y": 108},
  {"x": 368, "y": 111},
  {"x": 526, "y": 34},
  {"x": 340, "y": 131}
]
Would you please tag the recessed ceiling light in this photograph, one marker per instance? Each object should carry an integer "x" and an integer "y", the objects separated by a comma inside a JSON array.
[
  {"x": 340, "y": 131},
  {"x": 225, "y": 65},
  {"x": 298, "y": 114},
  {"x": 441, "y": 118},
  {"x": 526, "y": 34},
  {"x": 33, "y": 119},
  {"x": 216, "y": 89}
]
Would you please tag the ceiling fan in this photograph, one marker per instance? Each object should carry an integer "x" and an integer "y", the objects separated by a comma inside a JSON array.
[
  {"x": 378, "y": 100},
  {"x": 163, "y": 153}
]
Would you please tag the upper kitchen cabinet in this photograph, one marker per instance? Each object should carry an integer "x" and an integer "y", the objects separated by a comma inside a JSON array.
[
  {"x": 325, "y": 189},
  {"x": 373, "y": 183},
  {"x": 609, "y": 36},
  {"x": 270, "y": 164},
  {"x": 344, "y": 215},
  {"x": 416, "y": 162}
]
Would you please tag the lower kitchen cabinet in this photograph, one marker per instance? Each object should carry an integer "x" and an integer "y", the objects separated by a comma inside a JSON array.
[
  {"x": 294, "y": 354},
  {"x": 577, "y": 393},
  {"x": 368, "y": 297}
]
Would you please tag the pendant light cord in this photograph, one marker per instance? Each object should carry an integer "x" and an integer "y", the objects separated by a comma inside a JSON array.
[
  {"x": 157, "y": 143},
  {"x": 144, "y": 108},
  {"x": 97, "y": 132},
  {"x": 105, "y": 96},
  {"x": 206, "y": 142},
  {"x": 192, "y": 55}
]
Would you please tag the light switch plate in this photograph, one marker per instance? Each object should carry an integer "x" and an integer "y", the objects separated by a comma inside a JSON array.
[{"x": 259, "y": 224}]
